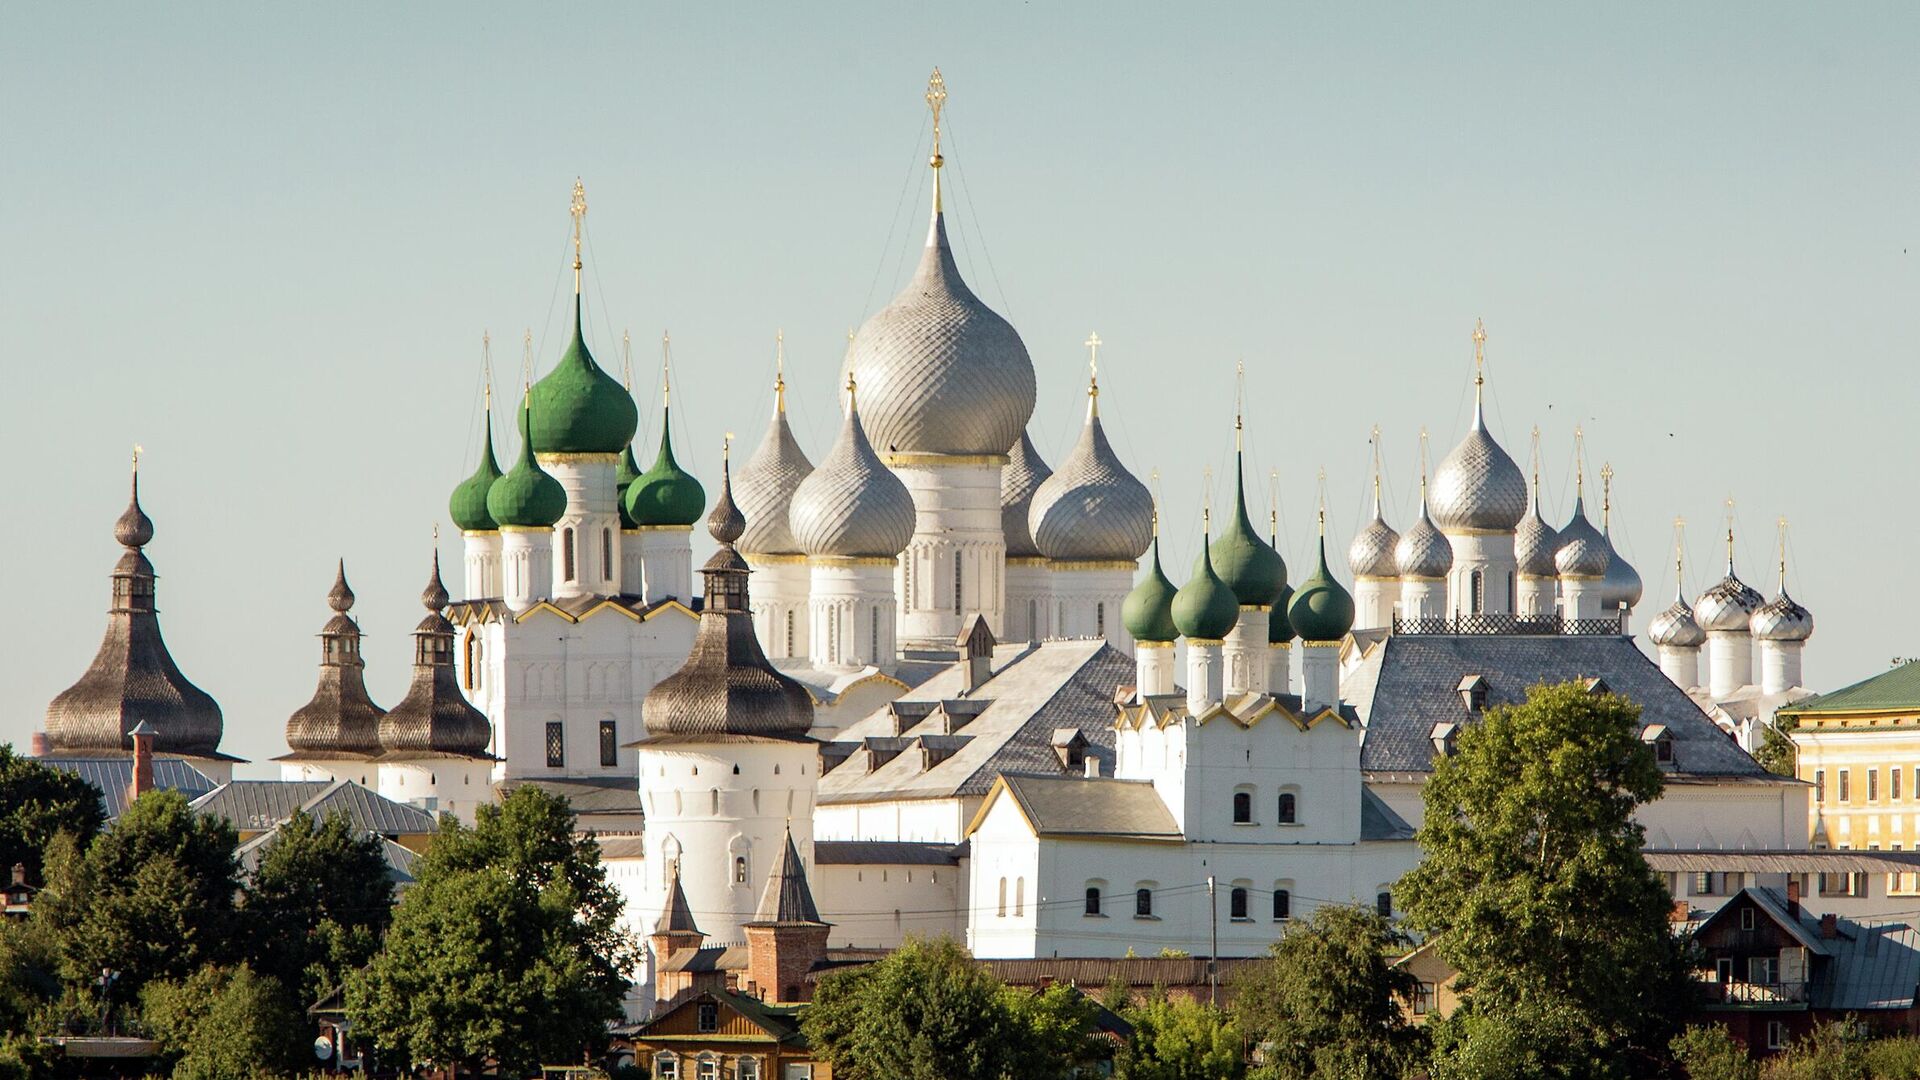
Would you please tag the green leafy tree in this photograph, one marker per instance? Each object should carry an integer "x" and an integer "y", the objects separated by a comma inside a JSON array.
[
  {"x": 925, "y": 1012},
  {"x": 150, "y": 898},
  {"x": 317, "y": 904},
  {"x": 1707, "y": 1052},
  {"x": 1534, "y": 881},
  {"x": 224, "y": 1024},
  {"x": 37, "y": 801},
  {"x": 1178, "y": 1038},
  {"x": 507, "y": 947},
  {"x": 1832, "y": 1051},
  {"x": 29, "y": 973},
  {"x": 1326, "y": 1001},
  {"x": 1057, "y": 1040},
  {"x": 1777, "y": 753}
]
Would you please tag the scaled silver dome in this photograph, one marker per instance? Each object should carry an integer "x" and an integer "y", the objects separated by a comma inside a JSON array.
[
  {"x": 1477, "y": 486},
  {"x": 1782, "y": 619},
  {"x": 1025, "y": 471},
  {"x": 940, "y": 371},
  {"x": 1423, "y": 551},
  {"x": 766, "y": 485},
  {"x": 1092, "y": 509},
  {"x": 1621, "y": 586},
  {"x": 1583, "y": 552},
  {"x": 1728, "y": 605},
  {"x": 1371, "y": 553},
  {"x": 1675, "y": 627},
  {"x": 851, "y": 506},
  {"x": 1534, "y": 544}
]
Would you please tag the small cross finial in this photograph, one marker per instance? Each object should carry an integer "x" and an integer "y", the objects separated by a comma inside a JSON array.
[
  {"x": 1579, "y": 462},
  {"x": 1239, "y": 403},
  {"x": 626, "y": 359},
  {"x": 1206, "y": 500},
  {"x": 1479, "y": 350},
  {"x": 486, "y": 371},
  {"x": 579, "y": 210},
  {"x": 137, "y": 451},
  {"x": 1606, "y": 495},
  {"x": 726, "y": 447},
  {"x": 1783, "y": 553},
  {"x": 526, "y": 360},
  {"x": 1093, "y": 374},
  {"x": 1729, "y": 534},
  {"x": 780, "y": 370},
  {"x": 1321, "y": 513},
  {"x": 1679, "y": 551},
  {"x": 937, "y": 101},
  {"x": 666, "y": 368}
]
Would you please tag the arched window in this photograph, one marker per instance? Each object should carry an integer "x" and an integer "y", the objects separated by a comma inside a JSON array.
[
  {"x": 1143, "y": 903},
  {"x": 1237, "y": 903},
  {"x": 606, "y": 554},
  {"x": 1019, "y": 896},
  {"x": 1002, "y": 912},
  {"x": 1282, "y": 905},
  {"x": 1288, "y": 808},
  {"x": 956, "y": 583},
  {"x": 1383, "y": 903},
  {"x": 466, "y": 643},
  {"x": 1242, "y": 808},
  {"x": 566, "y": 553},
  {"x": 1476, "y": 589},
  {"x": 716, "y": 802},
  {"x": 739, "y": 869},
  {"x": 1093, "y": 899}
]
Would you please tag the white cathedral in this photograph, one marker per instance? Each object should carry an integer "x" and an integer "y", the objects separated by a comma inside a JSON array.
[{"x": 936, "y": 666}]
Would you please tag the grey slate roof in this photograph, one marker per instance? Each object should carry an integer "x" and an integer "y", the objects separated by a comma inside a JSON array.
[
  {"x": 113, "y": 775},
  {"x": 587, "y": 794},
  {"x": 1378, "y": 821},
  {"x": 400, "y": 860},
  {"x": 787, "y": 900},
  {"x": 888, "y": 853},
  {"x": 1782, "y": 861},
  {"x": 1410, "y": 683},
  {"x": 1093, "y": 807},
  {"x": 265, "y": 804},
  {"x": 1034, "y": 691}
]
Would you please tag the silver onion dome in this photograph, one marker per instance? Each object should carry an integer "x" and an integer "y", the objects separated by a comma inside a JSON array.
[
  {"x": 1782, "y": 619},
  {"x": 1728, "y": 605},
  {"x": 1371, "y": 553},
  {"x": 1675, "y": 627},
  {"x": 1620, "y": 586},
  {"x": 852, "y": 506},
  {"x": 1477, "y": 486},
  {"x": 1535, "y": 542},
  {"x": 1583, "y": 551},
  {"x": 1025, "y": 471},
  {"x": 764, "y": 491},
  {"x": 940, "y": 371},
  {"x": 1423, "y": 551},
  {"x": 1092, "y": 508}
]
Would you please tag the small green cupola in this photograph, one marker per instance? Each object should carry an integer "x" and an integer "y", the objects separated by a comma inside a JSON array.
[
  {"x": 577, "y": 407},
  {"x": 1249, "y": 565},
  {"x": 1148, "y": 610},
  {"x": 665, "y": 494},
  {"x": 1321, "y": 610},
  {"x": 469, "y": 502},
  {"x": 1205, "y": 609},
  {"x": 1279, "y": 627},
  {"x": 623, "y": 478},
  {"x": 526, "y": 498}
]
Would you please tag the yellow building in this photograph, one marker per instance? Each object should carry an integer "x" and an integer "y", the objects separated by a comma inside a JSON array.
[{"x": 1859, "y": 747}]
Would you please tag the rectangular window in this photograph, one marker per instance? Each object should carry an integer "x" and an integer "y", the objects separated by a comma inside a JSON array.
[
  {"x": 709, "y": 1017},
  {"x": 747, "y": 1068},
  {"x": 798, "y": 1070},
  {"x": 1746, "y": 919},
  {"x": 1873, "y": 785},
  {"x": 1143, "y": 903},
  {"x": 1763, "y": 969},
  {"x": 1383, "y": 903},
  {"x": 1423, "y": 999},
  {"x": 956, "y": 583},
  {"x": 1845, "y": 795},
  {"x": 606, "y": 554},
  {"x": 609, "y": 743},
  {"x": 556, "y": 746},
  {"x": 1093, "y": 900},
  {"x": 1282, "y": 905},
  {"x": 1893, "y": 784},
  {"x": 566, "y": 553},
  {"x": 1819, "y": 785},
  {"x": 1723, "y": 970},
  {"x": 666, "y": 1067},
  {"x": 1703, "y": 883},
  {"x": 1776, "y": 1035},
  {"x": 709, "y": 1069}
]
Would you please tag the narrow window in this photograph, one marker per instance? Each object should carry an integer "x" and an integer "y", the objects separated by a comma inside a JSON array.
[
  {"x": 1100, "y": 620},
  {"x": 1820, "y": 785},
  {"x": 1476, "y": 585},
  {"x": 1845, "y": 796},
  {"x": 1746, "y": 918},
  {"x": 609, "y": 743},
  {"x": 1893, "y": 784},
  {"x": 1020, "y": 896},
  {"x": 1002, "y": 912},
  {"x": 566, "y": 553},
  {"x": 606, "y": 554},
  {"x": 556, "y": 746},
  {"x": 1513, "y": 601},
  {"x": 1423, "y": 999},
  {"x": 740, "y": 870},
  {"x": 1242, "y": 808},
  {"x": 666, "y": 1066},
  {"x": 1287, "y": 813},
  {"x": 1237, "y": 903},
  {"x": 789, "y": 631},
  {"x": 709, "y": 1069},
  {"x": 873, "y": 636},
  {"x": 466, "y": 644},
  {"x": 1093, "y": 900},
  {"x": 1143, "y": 903},
  {"x": 1282, "y": 905},
  {"x": 1033, "y": 618},
  {"x": 1873, "y": 785},
  {"x": 956, "y": 583},
  {"x": 1383, "y": 903},
  {"x": 1776, "y": 1035}
]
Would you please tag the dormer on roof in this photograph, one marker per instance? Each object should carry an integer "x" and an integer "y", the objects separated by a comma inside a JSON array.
[
  {"x": 1473, "y": 693},
  {"x": 1070, "y": 746},
  {"x": 1446, "y": 738},
  {"x": 1661, "y": 739},
  {"x": 976, "y": 651}
]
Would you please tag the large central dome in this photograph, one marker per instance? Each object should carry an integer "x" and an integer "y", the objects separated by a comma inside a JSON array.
[{"x": 940, "y": 372}]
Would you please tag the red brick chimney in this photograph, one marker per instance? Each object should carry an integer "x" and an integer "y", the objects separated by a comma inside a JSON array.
[
  {"x": 1829, "y": 925},
  {"x": 37, "y": 745},
  {"x": 142, "y": 736},
  {"x": 1793, "y": 897},
  {"x": 786, "y": 937}
]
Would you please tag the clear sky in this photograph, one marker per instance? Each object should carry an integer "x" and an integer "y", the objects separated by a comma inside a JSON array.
[{"x": 264, "y": 241}]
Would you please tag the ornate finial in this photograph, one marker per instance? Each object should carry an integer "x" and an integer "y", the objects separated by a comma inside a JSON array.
[
  {"x": 1153, "y": 486},
  {"x": 134, "y": 529},
  {"x": 853, "y": 385},
  {"x": 1239, "y": 404},
  {"x": 526, "y": 359},
  {"x": 1579, "y": 464},
  {"x": 1373, "y": 437},
  {"x": 1679, "y": 545},
  {"x": 1321, "y": 513},
  {"x": 1206, "y": 500},
  {"x": 1423, "y": 468},
  {"x": 1533, "y": 454},
  {"x": 1093, "y": 375},
  {"x": 137, "y": 451},
  {"x": 726, "y": 449},
  {"x": 1606, "y": 495},
  {"x": 1479, "y": 351},
  {"x": 937, "y": 101},
  {"x": 666, "y": 369},
  {"x": 486, "y": 371},
  {"x": 1273, "y": 503},
  {"x": 340, "y": 597},
  {"x": 1729, "y": 536},
  {"x": 434, "y": 597},
  {"x": 1783, "y": 555},
  {"x": 780, "y": 371},
  {"x": 579, "y": 220},
  {"x": 626, "y": 359}
]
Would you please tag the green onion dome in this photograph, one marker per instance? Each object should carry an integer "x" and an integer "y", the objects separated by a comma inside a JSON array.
[
  {"x": 1248, "y": 564},
  {"x": 526, "y": 498},
  {"x": 665, "y": 494},
  {"x": 1320, "y": 609},
  {"x": 1148, "y": 609},
  {"x": 469, "y": 503},
  {"x": 579, "y": 408},
  {"x": 623, "y": 478},
  {"x": 1279, "y": 626},
  {"x": 1205, "y": 609}
]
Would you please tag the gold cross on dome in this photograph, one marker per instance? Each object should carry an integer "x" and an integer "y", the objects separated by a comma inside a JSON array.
[
  {"x": 1479, "y": 349},
  {"x": 579, "y": 211},
  {"x": 936, "y": 100},
  {"x": 1093, "y": 354}
]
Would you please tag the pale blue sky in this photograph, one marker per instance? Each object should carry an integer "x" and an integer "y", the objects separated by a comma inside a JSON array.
[{"x": 263, "y": 240}]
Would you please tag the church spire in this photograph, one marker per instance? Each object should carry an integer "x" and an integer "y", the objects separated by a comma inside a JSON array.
[
  {"x": 936, "y": 101},
  {"x": 1479, "y": 372},
  {"x": 579, "y": 211},
  {"x": 1093, "y": 376}
]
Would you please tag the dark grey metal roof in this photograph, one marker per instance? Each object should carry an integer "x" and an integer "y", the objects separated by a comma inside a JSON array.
[
  {"x": 885, "y": 853},
  {"x": 1378, "y": 821},
  {"x": 266, "y": 804},
  {"x": 787, "y": 900},
  {"x": 1870, "y": 965},
  {"x": 1409, "y": 683},
  {"x": 1782, "y": 861},
  {"x": 114, "y": 775},
  {"x": 400, "y": 860},
  {"x": 586, "y": 794},
  {"x": 1093, "y": 807}
]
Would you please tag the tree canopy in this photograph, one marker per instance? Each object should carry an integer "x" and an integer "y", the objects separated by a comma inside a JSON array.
[
  {"x": 316, "y": 904},
  {"x": 1178, "y": 1038},
  {"x": 1534, "y": 882},
  {"x": 37, "y": 801}
]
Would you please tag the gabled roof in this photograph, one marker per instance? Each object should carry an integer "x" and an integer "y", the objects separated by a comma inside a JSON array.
[
  {"x": 1085, "y": 807},
  {"x": 112, "y": 776},
  {"x": 1410, "y": 683},
  {"x": 1033, "y": 691},
  {"x": 781, "y": 1023},
  {"x": 787, "y": 900},
  {"x": 1896, "y": 689},
  {"x": 1870, "y": 965},
  {"x": 678, "y": 916},
  {"x": 400, "y": 860},
  {"x": 265, "y": 804}
]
